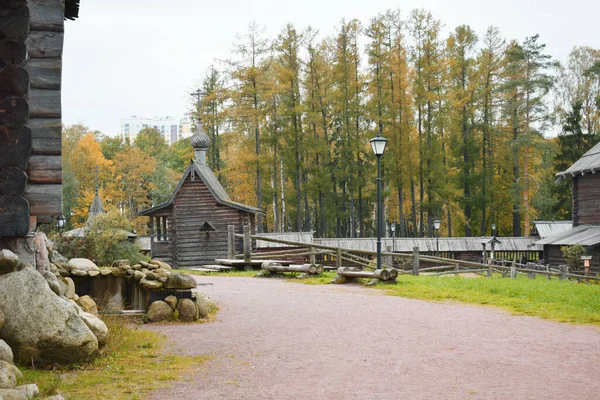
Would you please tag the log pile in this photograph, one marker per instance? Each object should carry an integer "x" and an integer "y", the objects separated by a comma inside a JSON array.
[
  {"x": 350, "y": 274},
  {"x": 31, "y": 40},
  {"x": 270, "y": 267}
]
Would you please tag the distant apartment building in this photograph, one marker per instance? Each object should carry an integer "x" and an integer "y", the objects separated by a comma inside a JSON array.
[{"x": 172, "y": 129}]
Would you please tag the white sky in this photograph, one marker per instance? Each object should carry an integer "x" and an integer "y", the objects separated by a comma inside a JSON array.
[{"x": 143, "y": 57}]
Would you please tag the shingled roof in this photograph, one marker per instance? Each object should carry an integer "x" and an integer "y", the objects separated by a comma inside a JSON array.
[
  {"x": 588, "y": 163},
  {"x": 213, "y": 185}
]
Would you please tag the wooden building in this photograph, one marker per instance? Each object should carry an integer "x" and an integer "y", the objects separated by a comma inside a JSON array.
[
  {"x": 31, "y": 45},
  {"x": 585, "y": 176},
  {"x": 190, "y": 229}
]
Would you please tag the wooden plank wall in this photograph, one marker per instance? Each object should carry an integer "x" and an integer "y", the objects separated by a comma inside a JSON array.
[
  {"x": 44, "y": 63},
  {"x": 194, "y": 205},
  {"x": 586, "y": 200}
]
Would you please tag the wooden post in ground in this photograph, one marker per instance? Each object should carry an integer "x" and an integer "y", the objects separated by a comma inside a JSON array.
[
  {"x": 563, "y": 272},
  {"x": 313, "y": 257},
  {"x": 388, "y": 259},
  {"x": 231, "y": 242},
  {"x": 483, "y": 255},
  {"x": 548, "y": 276},
  {"x": 489, "y": 271},
  {"x": 456, "y": 269},
  {"x": 247, "y": 246},
  {"x": 338, "y": 258},
  {"x": 415, "y": 260},
  {"x": 513, "y": 268}
]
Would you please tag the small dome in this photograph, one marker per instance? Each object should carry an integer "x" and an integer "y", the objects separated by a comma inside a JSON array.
[{"x": 200, "y": 140}]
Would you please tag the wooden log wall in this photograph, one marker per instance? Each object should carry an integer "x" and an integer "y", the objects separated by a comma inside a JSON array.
[
  {"x": 15, "y": 137},
  {"x": 586, "y": 199}
]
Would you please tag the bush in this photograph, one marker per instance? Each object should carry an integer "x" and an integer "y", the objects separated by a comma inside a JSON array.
[
  {"x": 105, "y": 241},
  {"x": 572, "y": 255}
]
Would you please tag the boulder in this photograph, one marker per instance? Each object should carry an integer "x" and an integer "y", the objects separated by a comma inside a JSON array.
[
  {"x": 64, "y": 272},
  {"x": 12, "y": 394},
  {"x": 118, "y": 272},
  {"x": 97, "y": 326},
  {"x": 150, "y": 276},
  {"x": 81, "y": 264},
  {"x": 88, "y": 305},
  {"x": 1, "y": 319},
  {"x": 58, "y": 259},
  {"x": 8, "y": 261},
  {"x": 123, "y": 264},
  {"x": 29, "y": 391},
  {"x": 187, "y": 310},
  {"x": 202, "y": 306},
  {"x": 138, "y": 276},
  {"x": 180, "y": 281},
  {"x": 40, "y": 326},
  {"x": 172, "y": 301},
  {"x": 161, "y": 264},
  {"x": 52, "y": 281},
  {"x": 79, "y": 272},
  {"x": 150, "y": 285},
  {"x": 105, "y": 271},
  {"x": 161, "y": 273},
  {"x": 70, "y": 293},
  {"x": 42, "y": 260},
  {"x": 93, "y": 273},
  {"x": 159, "y": 311},
  {"x": 55, "y": 397},
  {"x": 144, "y": 264},
  {"x": 130, "y": 272},
  {"x": 6, "y": 353},
  {"x": 137, "y": 267},
  {"x": 8, "y": 378}
]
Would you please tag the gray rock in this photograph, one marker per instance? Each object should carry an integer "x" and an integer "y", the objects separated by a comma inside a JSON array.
[
  {"x": 161, "y": 273},
  {"x": 201, "y": 305},
  {"x": 81, "y": 264},
  {"x": 118, "y": 272},
  {"x": 180, "y": 281},
  {"x": 42, "y": 261},
  {"x": 88, "y": 305},
  {"x": 150, "y": 276},
  {"x": 6, "y": 353},
  {"x": 130, "y": 272},
  {"x": 104, "y": 271},
  {"x": 162, "y": 280},
  {"x": 58, "y": 259},
  {"x": 159, "y": 311},
  {"x": 137, "y": 267},
  {"x": 97, "y": 326},
  {"x": 29, "y": 391},
  {"x": 52, "y": 281},
  {"x": 144, "y": 264},
  {"x": 150, "y": 285},
  {"x": 161, "y": 264},
  {"x": 93, "y": 273},
  {"x": 172, "y": 301},
  {"x": 8, "y": 378},
  {"x": 1, "y": 319},
  {"x": 40, "y": 326},
  {"x": 8, "y": 261},
  {"x": 79, "y": 272},
  {"x": 70, "y": 293},
  {"x": 64, "y": 272},
  {"x": 138, "y": 276},
  {"x": 187, "y": 310},
  {"x": 12, "y": 394},
  {"x": 123, "y": 264},
  {"x": 56, "y": 397}
]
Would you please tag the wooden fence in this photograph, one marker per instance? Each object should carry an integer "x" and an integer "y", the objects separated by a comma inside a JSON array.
[{"x": 314, "y": 253}]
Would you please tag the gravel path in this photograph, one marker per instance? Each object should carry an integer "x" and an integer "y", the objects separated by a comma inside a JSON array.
[{"x": 281, "y": 340}]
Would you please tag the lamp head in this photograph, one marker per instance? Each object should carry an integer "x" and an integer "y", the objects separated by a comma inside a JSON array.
[
  {"x": 378, "y": 145},
  {"x": 436, "y": 224}
]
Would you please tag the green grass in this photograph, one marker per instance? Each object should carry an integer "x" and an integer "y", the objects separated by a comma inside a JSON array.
[
  {"x": 132, "y": 365},
  {"x": 549, "y": 299}
]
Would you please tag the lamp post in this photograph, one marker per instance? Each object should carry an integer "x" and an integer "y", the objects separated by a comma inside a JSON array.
[
  {"x": 494, "y": 230},
  {"x": 60, "y": 223},
  {"x": 436, "y": 225},
  {"x": 378, "y": 145},
  {"x": 393, "y": 228}
]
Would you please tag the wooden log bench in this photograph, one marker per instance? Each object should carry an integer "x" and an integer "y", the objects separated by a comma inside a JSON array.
[
  {"x": 350, "y": 274},
  {"x": 269, "y": 268}
]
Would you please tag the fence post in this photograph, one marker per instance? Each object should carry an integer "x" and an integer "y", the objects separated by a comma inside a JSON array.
[
  {"x": 415, "y": 260},
  {"x": 484, "y": 255},
  {"x": 513, "y": 268},
  {"x": 247, "y": 245},
  {"x": 313, "y": 256},
  {"x": 563, "y": 272},
  {"x": 388, "y": 259},
  {"x": 338, "y": 258},
  {"x": 548, "y": 270},
  {"x": 456, "y": 269},
  {"x": 489, "y": 271},
  {"x": 231, "y": 242}
]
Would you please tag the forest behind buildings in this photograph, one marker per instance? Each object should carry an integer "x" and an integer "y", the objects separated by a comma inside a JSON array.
[{"x": 477, "y": 126}]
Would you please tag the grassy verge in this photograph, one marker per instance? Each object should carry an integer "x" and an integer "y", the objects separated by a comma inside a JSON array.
[
  {"x": 132, "y": 365},
  {"x": 549, "y": 299}
]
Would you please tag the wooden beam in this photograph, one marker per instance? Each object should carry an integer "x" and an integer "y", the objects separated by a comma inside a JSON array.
[
  {"x": 44, "y": 103},
  {"x": 44, "y": 199},
  {"x": 12, "y": 51},
  {"x": 45, "y": 44},
  {"x": 14, "y": 216},
  {"x": 13, "y": 181},
  {"x": 47, "y": 15},
  {"x": 44, "y": 73},
  {"x": 14, "y": 81},
  {"x": 46, "y": 136},
  {"x": 15, "y": 147},
  {"x": 14, "y": 111},
  {"x": 44, "y": 169},
  {"x": 14, "y": 21}
]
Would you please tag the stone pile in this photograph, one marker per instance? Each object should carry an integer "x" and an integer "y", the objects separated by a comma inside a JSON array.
[{"x": 174, "y": 309}]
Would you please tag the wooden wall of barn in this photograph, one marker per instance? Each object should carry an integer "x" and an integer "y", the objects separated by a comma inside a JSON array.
[
  {"x": 194, "y": 205},
  {"x": 553, "y": 257},
  {"x": 586, "y": 200},
  {"x": 31, "y": 42}
]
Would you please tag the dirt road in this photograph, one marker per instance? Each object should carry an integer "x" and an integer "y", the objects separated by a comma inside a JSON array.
[{"x": 281, "y": 340}]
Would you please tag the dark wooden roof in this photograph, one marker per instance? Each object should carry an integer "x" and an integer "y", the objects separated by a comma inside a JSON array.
[
  {"x": 588, "y": 163},
  {"x": 71, "y": 9},
  {"x": 213, "y": 185},
  {"x": 585, "y": 235}
]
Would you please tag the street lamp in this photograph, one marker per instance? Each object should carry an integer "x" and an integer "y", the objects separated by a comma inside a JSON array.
[
  {"x": 436, "y": 225},
  {"x": 393, "y": 228},
  {"x": 378, "y": 145},
  {"x": 60, "y": 223},
  {"x": 494, "y": 230}
]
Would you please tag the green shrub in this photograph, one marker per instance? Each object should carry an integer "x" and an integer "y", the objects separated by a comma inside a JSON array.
[{"x": 572, "y": 255}]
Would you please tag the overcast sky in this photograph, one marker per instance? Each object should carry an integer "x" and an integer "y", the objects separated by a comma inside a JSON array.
[{"x": 143, "y": 57}]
